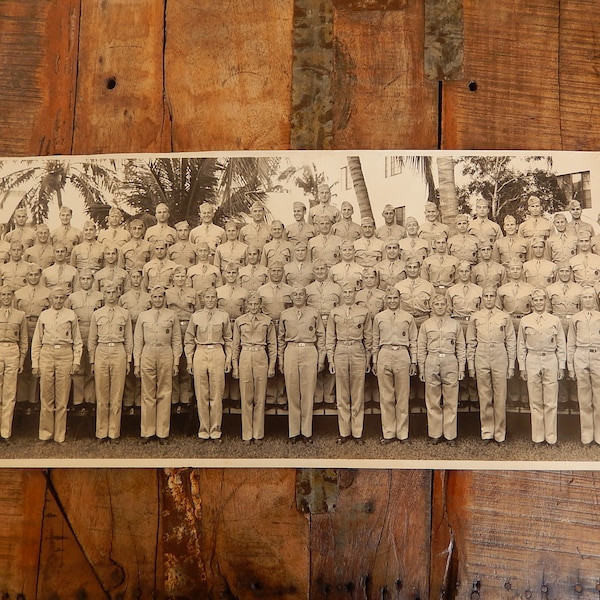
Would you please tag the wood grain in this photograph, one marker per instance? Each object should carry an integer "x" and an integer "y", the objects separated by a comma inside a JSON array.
[{"x": 228, "y": 74}]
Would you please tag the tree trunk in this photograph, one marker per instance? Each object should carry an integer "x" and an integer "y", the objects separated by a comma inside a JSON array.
[
  {"x": 447, "y": 187},
  {"x": 360, "y": 187}
]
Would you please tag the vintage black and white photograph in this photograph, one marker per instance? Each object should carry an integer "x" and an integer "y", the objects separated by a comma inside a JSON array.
[{"x": 300, "y": 306}]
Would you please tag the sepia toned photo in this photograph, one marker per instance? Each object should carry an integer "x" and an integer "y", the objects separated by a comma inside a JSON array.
[{"x": 252, "y": 308}]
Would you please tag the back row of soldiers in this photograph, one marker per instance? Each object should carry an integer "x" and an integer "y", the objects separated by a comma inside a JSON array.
[{"x": 322, "y": 256}]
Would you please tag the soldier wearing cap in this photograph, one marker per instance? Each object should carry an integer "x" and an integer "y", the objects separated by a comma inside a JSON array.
[
  {"x": 89, "y": 254},
  {"x": 13, "y": 273},
  {"x": 561, "y": 246},
  {"x": 412, "y": 244},
  {"x": 278, "y": 249},
  {"x": 42, "y": 252},
  {"x": 324, "y": 208},
  {"x": 301, "y": 355},
  {"x": 390, "y": 230},
  {"x": 207, "y": 231},
  {"x": 349, "y": 343},
  {"x": 21, "y": 232},
  {"x": 56, "y": 350},
  {"x": 257, "y": 233},
  {"x": 231, "y": 250},
  {"x": 66, "y": 234},
  {"x": 299, "y": 270},
  {"x": 394, "y": 362},
  {"x": 110, "y": 345},
  {"x": 391, "y": 269},
  {"x": 440, "y": 268},
  {"x": 538, "y": 271},
  {"x": 368, "y": 248},
  {"x": 541, "y": 351},
  {"x": 13, "y": 349},
  {"x": 325, "y": 246},
  {"x": 348, "y": 270},
  {"x": 159, "y": 270},
  {"x": 111, "y": 270},
  {"x": 346, "y": 228},
  {"x": 137, "y": 251},
  {"x": 115, "y": 233},
  {"x": 491, "y": 354},
  {"x": 208, "y": 350},
  {"x": 583, "y": 363},
  {"x": 481, "y": 226},
  {"x": 432, "y": 227},
  {"x": 487, "y": 272},
  {"x": 162, "y": 230},
  {"x": 203, "y": 275},
  {"x": 416, "y": 293},
  {"x": 576, "y": 225},
  {"x": 441, "y": 354},
  {"x": 253, "y": 274},
  {"x": 253, "y": 361},
  {"x": 464, "y": 245},
  {"x": 299, "y": 230},
  {"x": 511, "y": 245},
  {"x": 60, "y": 274},
  {"x": 535, "y": 226},
  {"x": 183, "y": 252},
  {"x": 157, "y": 348},
  {"x": 585, "y": 265}
]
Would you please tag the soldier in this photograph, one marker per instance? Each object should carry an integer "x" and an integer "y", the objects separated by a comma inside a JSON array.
[
  {"x": 368, "y": 248},
  {"x": 60, "y": 274},
  {"x": 208, "y": 350},
  {"x": 115, "y": 233},
  {"x": 66, "y": 234},
  {"x": 441, "y": 354},
  {"x": 14, "y": 272},
  {"x": 278, "y": 249},
  {"x": 159, "y": 270},
  {"x": 231, "y": 296},
  {"x": 137, "y": 251},
  {"x": 162, "y": 230},
  {"x": 13, "y": 349},
  {"x": 432, "y": 227},
  {"x": 253, "y": 274},
  {"x": 561, "y": 246},
  {"x": 585, "y": 265},
  {"x": 390, "y": 230},
  {"x": 42, "y": 252},
  {"x": 349, "y": 343},
  {"x": 538, "y": 271},
  {"x": 464, "y": 245},
  {"x": 511, "y": 245},
  {"x": 83, "y": 303},
  {"x": 348, "y": 270},
  {"x": 207, "y": 231},
  {"x": 299, "y": 270},
  {"x": 583, "y": 361},
  {"x": 535, "y": 226},
  {"x": 487, "y": 272},
  {"x": 481, "y": 226},
  {"x": 89, "y": 254},
  {"x": 346, "y": 228},
  {"x": 491, "y": 353},
  {"x": 391, "y": 270},
  {"x": 183, "y": 252},
  {"x": 56, "y": 350},
  {"x": 253, "y": 361},
  {"x": 394, "y": 362},
  {"x": 156, "y": 351},
  {"x": 371, "y": 297},
  {"x": 258, "y": 232},
  {"x": 110, "y": 345},
  {"x": 21, "y": 232},
  {"x": 111, "y": 270},
  {"x": 412, "y": 244},
  {"x": 541, "y": 351},
  {"x": 324, "y": 208},
  {"x": 299, "y": 230},
  {"x": 576, "y": 224},
  {"x": 203, "y": 275},
  {"x": 415, "y": 292},
  {"x": 231, "y": 250},
  {"x": 440, "y": 268},
  {"x": 325, "y": 246},
  {"x": 301, "y": 352}
]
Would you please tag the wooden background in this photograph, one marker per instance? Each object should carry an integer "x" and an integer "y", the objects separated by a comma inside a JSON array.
[{"x": 86, "y": 76}]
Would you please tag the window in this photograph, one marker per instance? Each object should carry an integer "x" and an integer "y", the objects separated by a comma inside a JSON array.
[
  {"x": 577, "y": 186},
  {"x": 393, "y": 165},
  {"x": 346, "y": 179}
]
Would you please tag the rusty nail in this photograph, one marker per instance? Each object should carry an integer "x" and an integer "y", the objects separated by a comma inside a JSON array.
[
  {"x": 578, "y": 588},
  {"x": 544, "y": 589},
  {"x": 398, "y": 584},
  {"x": 508, "y": 586}
]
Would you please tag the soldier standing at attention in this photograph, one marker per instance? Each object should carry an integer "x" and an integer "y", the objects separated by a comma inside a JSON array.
[
  {"x": 487, "y": 272},
  {"x": 60, "y": 274},
  {"x": 432, "y": 227},
  {"x": 325, "y": 246},
  {"x": 349, "y": 344},
  {"x": 42, "y": 252},
  {"x": 441, "y": 354},
  {"x": 394, "y": 362},
  {"x": 208, "y": 350},
  {"x": 115, "y": 233},
  {"x": 203, "y": 275},
  {"x": 541, "y": 350},
  {"x": 576, "y": 225},
  {"x": 253, "y": 275},
  {"x": 66, "y": 234},
  {"x": 561, "y": 246},
  {"x": 415, "y": 292},
  {"x": 299, "y": 230},
  {"x": 278, "y": 249},
  {"x": 538, "y": 271},
  {"x": 162, "y": 230},
  {"x": 391, "y": 270},
  {"x": 585, "y": 264},
  {"x": 390, "y": 230},
  {"x": 464, "y": 245},
  {"x": 156, "y": 351},
  {"x": 412, "y": 244},
  {"x": 21, "y": 233},
  {"x": 491, "y": 353},
  {"x": 137, "y": 251},
  {"x": 299, "y": 270},
  {"x": 368, "y": 248},
  {"x": 159, "y": 270},
  {"x": 511, "y": 245},
  {"x": 481, "y": 226},
  {"x": 13, "y": 349},
  {"x": 535, "y": 226},
  {"x": 110, "y": 345},
  {"x": 231, "y": 250},
  {"x": 324, "y": 208},
  {"x": 207, "y": 231},
  {"x": 89, "y": 254},
  {"x": 111, "y": 270},
  {"x": 257, "y": 233},
  {"x": 301, "y": 351},
  {"x": 439, "y": 268},
  {"x": 348, "y": 270},
  {"x": 253, "y": 361},
  {"x": 346, "y": 228},
  {"x": 14, "y": 272},
  {"x": 55, "y": 356},
  {"x": 183, "y": 252}
]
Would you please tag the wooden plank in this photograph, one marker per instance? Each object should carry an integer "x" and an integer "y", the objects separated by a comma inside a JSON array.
[
  {"x": 511, "y": 96},
  {"x": 113, "y": 514},
  {"x": 234, "y": 533},
  {"x": 380, "y": 96},
  {"x": 375, "y": 543},
  {"x": 523, "y": 534},
  {"x": 21, "y": 513},
  {"x": 444, "y": 40},
  {"x": 228, "y": 74},
  {"x": 120, "y": 105},
  {"x": 38, "y": 57}
]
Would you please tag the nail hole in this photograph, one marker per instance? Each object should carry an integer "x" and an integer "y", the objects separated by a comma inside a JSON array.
[
  {"x": 111, "y": 83},
  {"x": 578, "y": 588},
  {"x": 528, "y": 594},
  {"x": 544, "y": 589},
  {"x": 472, "y": 86},
  {"x": 508, "y": 586}
]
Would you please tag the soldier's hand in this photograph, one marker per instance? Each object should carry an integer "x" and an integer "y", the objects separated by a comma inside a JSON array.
[
  {"x": 74, "y": 369},
  {"x": 523, "y": 373},
  {"x": 190, "y": 369},
  {"x": 332, "y": 368},
  {"x": 510, "y": 373},
  {"x": 472, "y": 373},
  {"x": 271, "y": 372},
  {"x": 412, "y": 370},
  {"x": 128, "y": 368},
  {"x": 368, "y": 368},
  {"x": 572, "y": 375},
  {"x": 137, "y": 372},
  {"x": 20, "y": 369},
  {"x": 561, "y": 374},
  {"x": 374, "y": 368},
  {"x": 235, "y": 372},
  {"x": 175, "y": 370},
  {"x": 35, "y": 372},
  {"x": 422, "y": 377},
  {"x": 91, "y": 369},
  {"x": 461, "y": 375},
  {"x": 228, "y": 366},
  {"x": 281, "y": 367},
  {"x": 320, "y": 367}
]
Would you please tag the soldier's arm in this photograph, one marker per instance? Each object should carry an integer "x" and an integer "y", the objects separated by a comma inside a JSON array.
[
  {"x": 23, "y": 342},
  {"x": 461, "y": 350},
  {"x": 321, "y": 341},
  {"x": 271, "y": 348},
  {"x": 571, "y": 345},
  {"x": 561, "y": 347},
  {"x": 92, "y": 340},
  {"x": 375, "y": 347},
  {"x": 471, "y": 341},
  {"x": 128, "y": 340},
  {"x": 511, "y": 344},
  {"x": 77, "y": 344},
  {"x": 330, "y": 337},
  {"x": 281, "y": 344},
  {"x": 368, "y": 338},
  {"x": 228, "y": 343}
]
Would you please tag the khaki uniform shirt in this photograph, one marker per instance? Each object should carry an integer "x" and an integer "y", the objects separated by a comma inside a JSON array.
[
  {"x": 14, "y": 273},
  {"x": 56, "y": 327},
  {"x": 390, "y": 272},
  {"x": 203, "y": 276},
  {"x": 354, "y": 325},
  {"x": 135, "y": 254},
  {"x": 298, "y": 272},
  {"x": 347, "y": 272},
  {"x": 255, "y": 330},
  {"x": 410, "y": 247},
  {"x": 541, "y": 333},
  {"x": 373, "y": 299},
  {"x": 275, "y": 298},
  {"x": 584, "y": 332},
  {"x": 276, "y": 250},
  {"x": 491, "y": 327},
  {"x": 230, "y": 252},
  {"x": 441, "y": 336},
  {"x": 117, "y": 236},
  {"x": 464, "y": 247},
  {"x": 251, "y": 277},
  {"x": 321, "y": 210},
  {"x": 299, "y": 231},
  {"x": 415, "y": 296},
  {"x": 208, "y": 327},
  {"x": 509, "y": 247},
  {"x": 212, "y": 234},
  {"x": 60, "y": 275},
  {"x": 323, "y": 296},
  {"x": 574, "y": 227},
  {"x": 368, "y": 251},
  {"x": 539, "y": 272},
  {"x": 13, "y": 329},
  {"x": 157, "y": 328},
  {"x": 325, "y": 248},
  {"x": 135, "y": 302},
  {"x": 158, "y": 272},
  {"x": 586, "y": 268},
  {"x": 69, "y": 236},
  {"x": 25, "y": 235},
  {"x": 87, "y": 255},
  {"x": 395, "y": 328},
  {"x": 464, "y": 299},
  {"x": 390, "y": 232},
  {"x": 161, "y": 231},
  {"x": 255, "y": 234},
  {"x": 110, "y": 325},
  {"x": 305, "y": 328},
  {"x": 488, "y": 274},
  {"x": 182, "y": 301},
  {"x": 84, "y": 303},
  {"x": 347, "y": 230},
  {"x": 561, "y": 247},
  {"x": 232, "y": 299},
  {"x": 183, "y": 253},
  {"x": 565, "y": 298},
  {"x": 536, "y": 227},
  {"x": 440, "y": 270},
  {"x": 429, "y": 230},
  {"x": 484, "y": 229},
  {"x": 40, "y": 254},
  {"x": 515, "y": 298},
  {"x": 32, "y": 300},
  {"x": 115, "y": 274}
]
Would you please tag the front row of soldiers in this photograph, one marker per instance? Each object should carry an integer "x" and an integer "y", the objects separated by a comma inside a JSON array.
[{"x": 391, "y": 345}]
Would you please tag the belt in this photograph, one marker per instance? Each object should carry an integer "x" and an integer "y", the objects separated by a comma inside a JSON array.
[
  {"x": 394, "y": 347},
  {"x": 110, "y": 344},
  {"x": 301, "y": 344},
  {"x": 441, "y": 287},
  {"x": 32, "y": 317},
  {"x": 209, "y": 346},
  {"x": 184, "y": 322},
  {"x": 540, "y": 353},
  {"x": 517, "y": 315},
  {"x": 253, "y": 348},
  {"x": 324, "y": 317},
  {"x": 57, "y": 345},
  {"x": 8, "y": 344},
  {"x": 349, "y": 342},
  {"x": 461, "y": 318}
]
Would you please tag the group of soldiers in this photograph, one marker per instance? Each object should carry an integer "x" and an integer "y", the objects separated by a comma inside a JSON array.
[{"x": 321, "y": 310}]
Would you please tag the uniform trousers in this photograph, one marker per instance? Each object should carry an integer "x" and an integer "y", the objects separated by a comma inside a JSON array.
[
  {"x": 517, "y": 388},
  {"x": 182, "y": 384},
  {"x": 300, "y": 365},
  {"x": 567, "y": 388},
  {"x": 394, "y": 389},
  {"x": 253, "y": 369},
  {"x": 55, "y": 387},
  {"x": 209, "y": 383},
  {"x": 83, "y": 382},
  {"x": 325, "y": 390},
  {"x": 441, "y": 382},
  {"x": 156, "y": 366},
  {"x": 350, "y": 363},
  {"x": 28, "y": 386},
  {"x": 110, "y": 364},
  {"x": 587, "y": 372},
  {"x": 9, "y": 367},
  {"x": 542, "y": 385},
  {"x": 491, "y": 366}
]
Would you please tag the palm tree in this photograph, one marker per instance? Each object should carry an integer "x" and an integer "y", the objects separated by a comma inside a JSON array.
[
  {"x": 447, "y": 189},
  {"x": 360, "y": 187}
]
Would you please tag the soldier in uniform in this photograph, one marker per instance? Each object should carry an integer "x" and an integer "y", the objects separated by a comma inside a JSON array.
[
  {"x": 111, "y": 270},
  {"x": 487, "y": 272},
  {"x": 324, "y": 208},
  {"x": 561, "y": 246},
  {"x": 391, "y": 270},
  {"x": 299, "y": 270},
  {"x": 583, "y": 363},
  {"x": 278, "y": 249},
  {"x": 481, "y": 226},
  {"x": 432, "y": 227},
  {"x": 325, "y": 246},
  {"x": 491, "y": 354},
  {"x": 440, "y": 268},
  {"x": 137, "y": 251},
  {"x": 159, "y": 270},
  {"x": 541, "y": 351},
  {"x": 257, "y": 233},
  {"x": 299, "y": 230},
  {"x": 60, "y": 274},
  {"x": 203, "y": 275},
  {"x": 441, "y": 354},
  {"x": 157, "y": 348},
  {"x": 464, "y": 245},
  {"x": 162, "y": 230},
  {"x": 66, "y": 234},
  {"x": 585, "y": 265},
  {"x": 535, "y": 226},
  {"x": 253, "y": 274},
  {"x": 576, "y": 225},
  {"x": 390, "y": 230},
  {"x": 231, "y": 250},
  {"x": 412, "y": 244},
  {"x": 56, "y": 350},
  {"x": 538, "y": 271},
  {"x": 207, "y": 231},
  {"x": 348, "y": 270},
  {"x": 208, "y": 350},
  {"x": 511, "y": 245},
  {"x": 21, "y": 232},
  {"x": 301, "y": 355},
  {"x": 14, "y": 272},
  {"x": 183, "y": 252},
  {"x": 368, "y": 248},
  {"x": 346, "y": 228},
  {"x": 89, "y": 254},
  {"x": 115, "y": 233},
  {"x": 349, "y": 343},
  {"x": 110, "y": 345},
  {"x": 394, "y": 362},
  {"x": 13, "y": 349},
  {"x": 253, "y": 361},
  {"x": 42, "y": 252},
  {"x": 415, "y": 292}
]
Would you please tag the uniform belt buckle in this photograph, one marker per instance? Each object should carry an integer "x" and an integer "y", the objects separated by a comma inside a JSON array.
[
  {"x": 183, "y": 322},
  {"x": 568, "y": 316},
  {"x": 593, "y": 350},
  {"x": 57, "y": 346},
  {"x": 301, "y": 344},
  {"x": 324, "y": 317},
  {"x": 111, "y": 344},
  {"x": 442, "y": 355},
  {"x": 209, "y": 346}
]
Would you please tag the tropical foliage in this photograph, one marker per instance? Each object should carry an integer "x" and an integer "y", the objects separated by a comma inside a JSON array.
[{"x": 308, "y": 178}]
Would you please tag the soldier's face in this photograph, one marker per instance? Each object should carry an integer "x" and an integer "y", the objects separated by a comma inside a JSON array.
[
  {"x": 179, "y": 279},
  {"x": 299, "y": 213},
  {"x": 231, "y": 232},
  {"x": 510, "y": 227},
  {"x": 183, "y": 233},
  {"x": 257, "y": 214},
  {"x": 588, "y": 301},
  {"x": 347, "y": 212},
  {"x": 464, "y": 274},
  {"x": 157, "y": 299},
  {"x": 412, "y": 227},
  {"x": 42, "y": 235},
  {"x": 136, "y": 279},
  {"x": 60, "y": 254},
  {"x": 367, "y": 230},
  {"x": 160, "y": 250},
  {"x": 560, "y": 223},
  {"x": 462, "y": 226},
  {"x": 210, "y": 300},
  {"x": 89, "y": 232},
  {"x": 392, "y": 251},
  {"x": 6, "y": 299},
  {"x": 110, "y": 256},
  {"x": 392, "y": 300},
  {"x": 486, "y": 252},
  {"x": 431, "y": 214},
  {"x": 388, "y": 216},
  {"x": 110, "y": 296},
  {"x": 412, "y": 270},
  {"x": 324, "y": 226},
  {"x": 85, "y": 281},
  {"x": 65, "y": 216},
  {"x": 564, "y": 274},
  {"x": 202, "y": 253},
  {"x": 253, "y": 306},
  {"x": 20, "y": 218},
  {"x": 481, "y": 209},
  {"x": 439, "y": 307},
  {"x": 162, "y": 214},
  {"x": 369, "y": 280},
  {"x": 576, "y": 212},
  {"x": 231, "y": 275},
  {"x": 252, "y": 257},
  {"x": 206, "y": 215},
  {"x": 535, "y": 209},
  {"x": 440, "y": 246},
  {"x": 584, "y": 244},
  {"x": 538, "y": 303},
  {"x": 489, "y": 300},
  {"x": 300, "y": 253},
  {"x": 137, "y": 231},
  {"x": 324, "y": 194},
  {"x": 33, "y": 277},
  {"x": 276, "y": 274},
  {"x": 298, "y": 297},
  {"x": 57, "y": 300},
  {"x": 276, "y": 231},
  {"x": 320, "y": 272},
  {"x": 515, "y": 271},
  {"x": 538, "y": 250},
  {"x": 16, "y": 252},
  {"x": 114, "y": 219},
  {"x": 347, "y": 252},
  {"x": 348, "y": 295}
]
